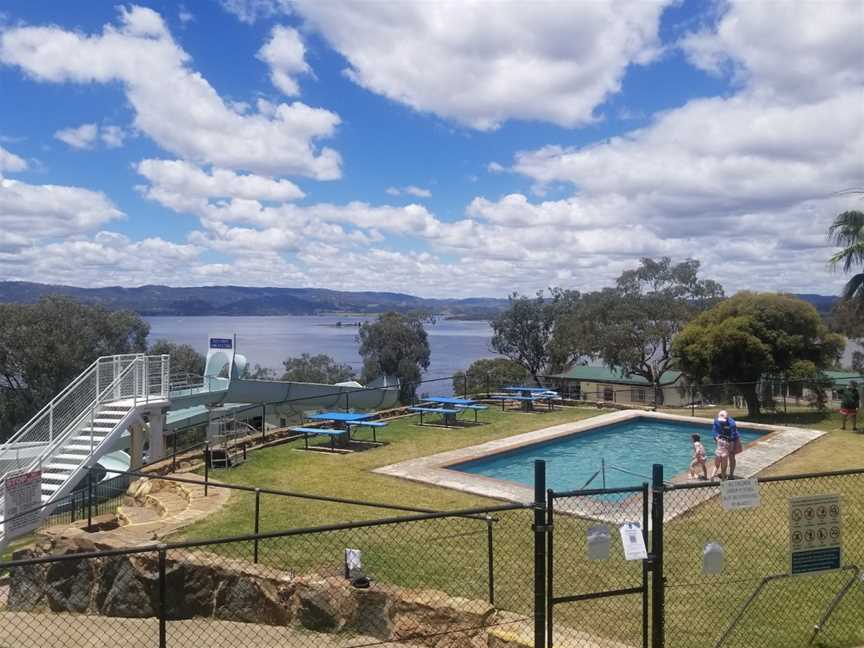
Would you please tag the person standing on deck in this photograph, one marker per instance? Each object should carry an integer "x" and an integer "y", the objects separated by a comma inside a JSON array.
[
  {"x": 727, "y": 439},
  {"x": 849, "y": 403}
]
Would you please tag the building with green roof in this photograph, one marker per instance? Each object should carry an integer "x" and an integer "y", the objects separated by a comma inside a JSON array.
[{"x": 583, "y": 382}]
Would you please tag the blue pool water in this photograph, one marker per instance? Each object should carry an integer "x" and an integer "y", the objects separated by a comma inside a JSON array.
[{"x": 632, "y": 445}]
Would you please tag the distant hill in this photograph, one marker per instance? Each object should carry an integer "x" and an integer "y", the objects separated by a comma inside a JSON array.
[
  {"x": 823, "y": 303},
  {"x": 240, "y": 300}
]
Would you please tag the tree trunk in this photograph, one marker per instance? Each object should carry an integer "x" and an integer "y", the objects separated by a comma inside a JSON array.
[{"x": 752, "y": 397}]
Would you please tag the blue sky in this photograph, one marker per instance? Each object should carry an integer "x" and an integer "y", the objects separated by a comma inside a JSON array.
[{"x": 433, "y": 148}]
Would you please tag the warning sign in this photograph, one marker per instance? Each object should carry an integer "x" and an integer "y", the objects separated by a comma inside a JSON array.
[
  {"x": 739, "y": 494},
  {"x": 815, "y": 533},
  {"x": 21, "y": 493}
]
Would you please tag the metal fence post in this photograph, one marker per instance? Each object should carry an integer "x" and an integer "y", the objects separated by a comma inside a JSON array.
[
  {"x": 89, "y": 497},
  {"x": 163, "y": 607},
  {"x": 465, "y": 391},
  {"x": 539, "y": 529},
  {"x": 257, "y": 523},
  {"x": 206, "y": 466},
  {"x": 174, "y": 453},
  {"x": 488, "y": 385},
  {"x": 490, "y": 557},
  {"x": 692, "y": 401},
  {"x": 658, "y": 582}
]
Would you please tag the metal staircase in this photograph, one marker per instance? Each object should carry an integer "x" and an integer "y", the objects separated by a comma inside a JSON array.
[{"x": 83, "y": 422}]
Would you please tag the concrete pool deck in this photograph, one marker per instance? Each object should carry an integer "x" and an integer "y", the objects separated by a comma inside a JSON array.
[{"x": 779, "y": 442}]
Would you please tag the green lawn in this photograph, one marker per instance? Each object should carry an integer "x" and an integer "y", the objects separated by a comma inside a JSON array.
[{"x": 451, "y": 554}]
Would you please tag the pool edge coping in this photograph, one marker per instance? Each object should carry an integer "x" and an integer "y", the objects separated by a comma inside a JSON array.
[{"x": 780, "y": 442}]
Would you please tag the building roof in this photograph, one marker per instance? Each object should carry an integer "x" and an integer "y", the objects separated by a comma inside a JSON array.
[
  {"x": 843, "y": 378},
  {"x": 607, "y": 375}
]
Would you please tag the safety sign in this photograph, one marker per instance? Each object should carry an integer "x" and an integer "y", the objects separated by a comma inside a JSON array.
[{"x": 815, "y": 533}]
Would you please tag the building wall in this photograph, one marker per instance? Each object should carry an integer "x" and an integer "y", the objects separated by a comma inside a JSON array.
[{"x": 621, "y": 393}]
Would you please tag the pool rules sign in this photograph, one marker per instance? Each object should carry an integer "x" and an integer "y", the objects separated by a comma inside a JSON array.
[
  {"x": 815, "y": 533},
  {"x": 20, "y": 493}
]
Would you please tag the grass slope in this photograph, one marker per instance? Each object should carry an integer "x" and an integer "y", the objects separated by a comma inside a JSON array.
[{"x": 451, "y": 554}]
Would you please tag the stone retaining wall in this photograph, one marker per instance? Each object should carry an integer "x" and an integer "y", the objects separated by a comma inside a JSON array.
[{"x": 206, "y": 585}]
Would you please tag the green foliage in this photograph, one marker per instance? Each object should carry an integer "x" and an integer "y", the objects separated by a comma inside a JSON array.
[
  {"x": 43, "y": 346},
  {"x": 524, "y": 332},
  {"x": 630, "y": 327},
  {"x": 184, "y": 358},
  {"x": 847, "y": 231},
  {"x": 489, "y": 373},
  {"x": 395, "y": 344},
  {"x": 754, "y": 335},
  {"x": 319, "y": 368}
]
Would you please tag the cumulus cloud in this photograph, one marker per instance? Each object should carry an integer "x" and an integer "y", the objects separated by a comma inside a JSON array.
[
  {"x": 105, "y": 259},
  {"x": 478, "y": 67},
  {"x": 87, "y": 136},
  {"x": 11, "y": 162},
  {"x": 173, "y": 104},
  {"x": 410, "y": 190},
  {"x": 186, "y": 187},
  {"x": 789, "y": 49},
  {"x": 38, "y": 212},
  {"x": 249, "y": 11},
  {"x": 285, "y": 54}
]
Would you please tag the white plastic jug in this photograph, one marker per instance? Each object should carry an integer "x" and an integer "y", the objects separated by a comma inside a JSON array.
[
  {"x": 598, "y": 543},
  {"x": 713, "y": 557}
]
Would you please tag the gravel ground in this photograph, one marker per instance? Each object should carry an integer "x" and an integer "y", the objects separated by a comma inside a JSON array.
[{"x": 35, "y": 630}]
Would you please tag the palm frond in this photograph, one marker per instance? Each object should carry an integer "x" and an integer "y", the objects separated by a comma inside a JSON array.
[{"x": 854, "y": 288}]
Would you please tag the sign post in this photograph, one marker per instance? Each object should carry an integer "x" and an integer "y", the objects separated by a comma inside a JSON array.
[
  {"x": 815, "y": 534},
  {"x": 22, "y": 492}
]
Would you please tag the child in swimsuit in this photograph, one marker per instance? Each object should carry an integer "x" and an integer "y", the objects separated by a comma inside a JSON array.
[{"x": 698, "y": 458}]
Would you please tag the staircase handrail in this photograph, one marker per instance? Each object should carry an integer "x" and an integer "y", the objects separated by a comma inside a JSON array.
[
  {"x": 61, "y": 439},
  {"x": 141, "y": 389},
  {"x": 54, "y": 402}
]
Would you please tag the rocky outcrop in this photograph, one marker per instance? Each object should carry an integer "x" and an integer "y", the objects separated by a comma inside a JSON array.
[{"x": 206, "y": 585}]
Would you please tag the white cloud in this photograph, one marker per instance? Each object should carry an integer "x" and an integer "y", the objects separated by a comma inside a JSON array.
[
  {"x": 184, "y": 186},
  {"x": 106, "y": 259},
  {"x": 82, "y": 137},
  {"x": 249, "y": 11},
  {"x": 285, "y": 53},
  {"x": 479, "y": 66},
  {"x": 86, "y": 136},
  {"x": 184, "y": 15},
  {"x": 173, "y": 104},
  {"x": 410, "y": 190},
  {"x": 11, "y": 162},
  {"x": 38, "y": 212},
  {"x": 790, "y": 49},
  {"x": 419, "y": 192}
]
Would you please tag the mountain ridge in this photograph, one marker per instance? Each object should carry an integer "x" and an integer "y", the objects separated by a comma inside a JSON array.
[{"x": 155, "y": 300}]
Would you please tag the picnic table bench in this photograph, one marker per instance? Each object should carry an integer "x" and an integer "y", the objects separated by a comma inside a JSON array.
[
  {"x": 370, "y": 424},
  {"x": 448, "y": 414},
  {"x": 310, "y": 431}
]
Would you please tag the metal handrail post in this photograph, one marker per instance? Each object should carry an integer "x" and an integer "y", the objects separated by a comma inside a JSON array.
[
  {"x": 658, "y": 582},
  {"x": 539, "y": 529},
  {"x": 257, "y": 524}
]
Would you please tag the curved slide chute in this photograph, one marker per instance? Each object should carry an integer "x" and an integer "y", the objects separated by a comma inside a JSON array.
[{"x": 224, "y": 383}]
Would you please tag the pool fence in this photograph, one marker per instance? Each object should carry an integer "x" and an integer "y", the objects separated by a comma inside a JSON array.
[{"x": 773, "y": 562}]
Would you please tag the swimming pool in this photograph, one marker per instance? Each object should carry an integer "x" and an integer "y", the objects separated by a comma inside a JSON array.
[{"x": 633, "y": 445}]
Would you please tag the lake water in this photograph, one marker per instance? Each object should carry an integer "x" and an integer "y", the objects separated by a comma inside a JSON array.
[{"x": 268, "y": 341}]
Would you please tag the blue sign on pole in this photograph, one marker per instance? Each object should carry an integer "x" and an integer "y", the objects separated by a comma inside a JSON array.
[{"x": 221, "y": 343}]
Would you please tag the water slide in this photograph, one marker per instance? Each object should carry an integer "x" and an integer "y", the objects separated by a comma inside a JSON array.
[{"x": 224, "y": 384}]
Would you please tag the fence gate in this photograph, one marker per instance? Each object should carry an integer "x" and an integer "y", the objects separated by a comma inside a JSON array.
[{"x": 595, "y": 596}]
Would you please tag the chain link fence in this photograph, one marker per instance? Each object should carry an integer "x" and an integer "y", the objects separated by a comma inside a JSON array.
[
  {"x": 423, "y": 580},
  {"x": 702, "y": 608}
]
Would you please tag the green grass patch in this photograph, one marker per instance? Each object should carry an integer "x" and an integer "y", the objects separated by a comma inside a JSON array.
[{"x": 452, "y": 554}]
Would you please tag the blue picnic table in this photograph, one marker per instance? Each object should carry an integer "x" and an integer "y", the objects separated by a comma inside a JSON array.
[
  {"x": 448, "y": 408},
  {"x": 342, "y": 422},
  {"x": 528, "y": 395}
]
